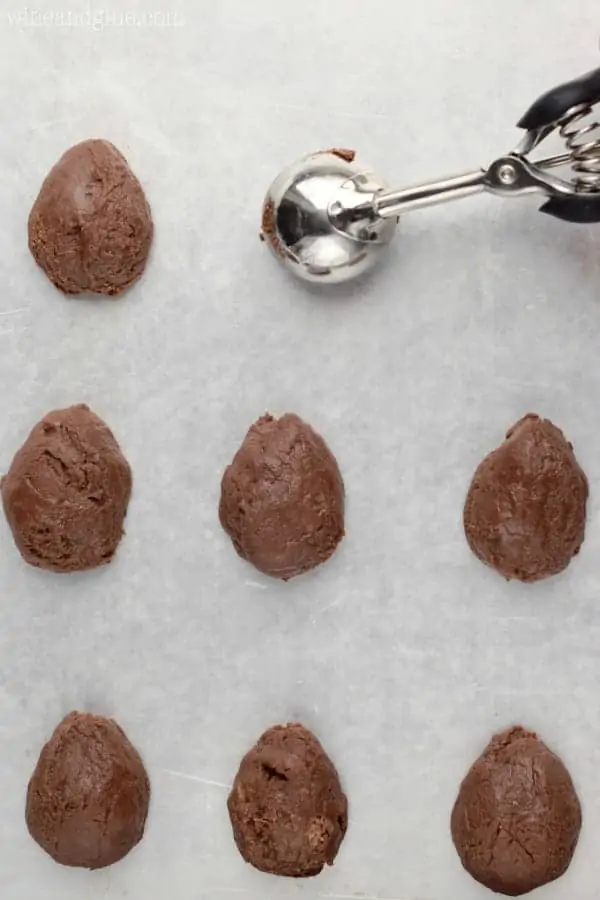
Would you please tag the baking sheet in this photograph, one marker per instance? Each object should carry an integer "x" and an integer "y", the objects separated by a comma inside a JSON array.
[{"x": 403, "y": 654}]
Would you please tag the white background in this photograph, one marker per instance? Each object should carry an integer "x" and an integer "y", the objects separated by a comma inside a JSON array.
[{"x": 404, "y": 653}]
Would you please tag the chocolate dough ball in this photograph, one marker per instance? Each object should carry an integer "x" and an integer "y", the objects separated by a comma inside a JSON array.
[
  {"x": 90, "y": 228},
  {"x": 517, "y": 818},
  {"x": 87, "y": 800},
  {"x": 287, "y": 809},
  {"x": 66, "y": 493},
  {"x": 525, "y": 510},
  {"x": 282, "y": 498}
]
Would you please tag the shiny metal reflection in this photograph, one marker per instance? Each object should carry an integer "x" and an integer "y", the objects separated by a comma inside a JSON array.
[{"x": 318, "y": 218}]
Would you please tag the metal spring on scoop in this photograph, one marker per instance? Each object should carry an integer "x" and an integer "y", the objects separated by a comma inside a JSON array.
[{"x": 584, "y": 148}]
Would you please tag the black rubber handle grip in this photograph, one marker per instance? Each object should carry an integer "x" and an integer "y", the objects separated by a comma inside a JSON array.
[
  {"x": 580, "y": 209},
  {"x": 552, "y": 105}
]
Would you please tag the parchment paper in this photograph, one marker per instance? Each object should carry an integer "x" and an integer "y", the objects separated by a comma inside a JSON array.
[{"x": 404, "y": 653}]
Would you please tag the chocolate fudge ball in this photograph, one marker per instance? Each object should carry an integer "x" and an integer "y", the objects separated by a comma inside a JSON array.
[
  {"x": 88, "y": 798},
  {"x": 90, "y": 228},
  {"x": 287, "y": 809},
  {"x": 66, "y": 493},
  {"x": 282, "y": 498},
  {"x": 526, "y": 506},
  {"x": 517, "y": 818}
]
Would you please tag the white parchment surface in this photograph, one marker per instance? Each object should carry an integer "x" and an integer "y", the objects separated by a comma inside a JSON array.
[{"x": 403, "y": 654}]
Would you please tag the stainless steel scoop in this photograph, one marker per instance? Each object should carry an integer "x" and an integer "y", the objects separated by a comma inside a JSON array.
[{"x": 328, "y": 218}]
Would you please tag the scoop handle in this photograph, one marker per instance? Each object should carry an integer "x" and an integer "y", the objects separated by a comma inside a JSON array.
[
  {"x": 554, "y": 104},
  {"x": 579, "y": 209}
]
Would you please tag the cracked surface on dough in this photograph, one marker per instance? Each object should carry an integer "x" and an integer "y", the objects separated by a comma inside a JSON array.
[
  {"x": 66, "y": 493},
  {"x": 88, "y": 798},
  {"x": 282, "y": 498},
  {"x": 525, "y": 511},
  {"x": 90, "y": 228},
  {"x": 287, "y": 808},
  {"x": 517, "y": 817}
]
